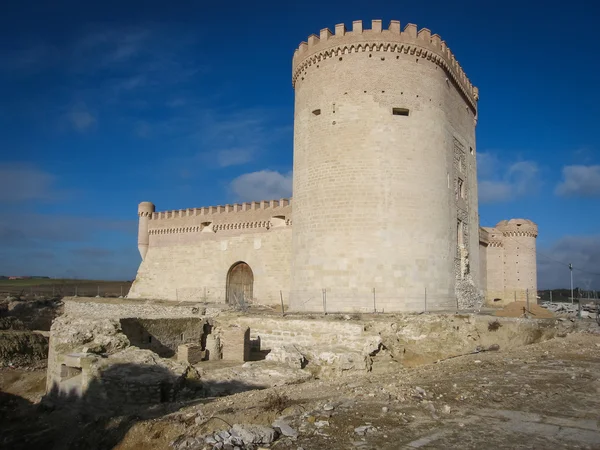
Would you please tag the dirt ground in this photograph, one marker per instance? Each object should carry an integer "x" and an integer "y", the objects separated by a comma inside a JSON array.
[{"x": 544, "y": 395}]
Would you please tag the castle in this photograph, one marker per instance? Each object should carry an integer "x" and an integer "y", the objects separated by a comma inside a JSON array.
[{"x": 385, "y": 211}]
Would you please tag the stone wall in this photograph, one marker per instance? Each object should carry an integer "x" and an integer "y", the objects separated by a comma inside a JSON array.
[
  {"x": 101, "y": 308},
  {"x": 193, "y": 266},
  {"x": 307, "y": 333}
]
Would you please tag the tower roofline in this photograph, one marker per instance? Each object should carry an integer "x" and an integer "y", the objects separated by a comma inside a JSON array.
[{"x": 410, "y": 40}]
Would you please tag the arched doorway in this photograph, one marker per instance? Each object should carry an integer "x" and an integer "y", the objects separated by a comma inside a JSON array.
[{"x": 240, "y": 281}]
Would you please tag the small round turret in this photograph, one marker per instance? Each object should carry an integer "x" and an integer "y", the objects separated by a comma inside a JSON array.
[{"x": 145, "y": 210}]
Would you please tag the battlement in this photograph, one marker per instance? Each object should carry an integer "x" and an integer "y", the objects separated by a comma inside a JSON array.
[
  {"x": 222, "y": 210},
  {"x": 517, "y": 227},
  {"x": 411, "y": 41}
]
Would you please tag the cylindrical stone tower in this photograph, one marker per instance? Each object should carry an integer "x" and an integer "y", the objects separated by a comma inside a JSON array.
[
  {"x": 145, "y": 209},
  {"x": 520, "y": 266},
  {"x": 385, "y": 186}
]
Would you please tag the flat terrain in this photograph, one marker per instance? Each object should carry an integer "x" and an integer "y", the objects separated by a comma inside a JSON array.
[
  {"x": 544, "y": 396},
  {"x": 64, "y": 287}
]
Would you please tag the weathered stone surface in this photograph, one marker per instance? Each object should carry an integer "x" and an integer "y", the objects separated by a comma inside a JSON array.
[
  {"x": 287, "y": 354},
  {"x": 254, "y": 434}
]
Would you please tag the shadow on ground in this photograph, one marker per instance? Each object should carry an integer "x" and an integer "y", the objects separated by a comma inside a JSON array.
[{"x": 102, "y": 416}]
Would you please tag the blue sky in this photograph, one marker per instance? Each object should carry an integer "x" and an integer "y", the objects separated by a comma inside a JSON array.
[{"x": 185, "y": 104}]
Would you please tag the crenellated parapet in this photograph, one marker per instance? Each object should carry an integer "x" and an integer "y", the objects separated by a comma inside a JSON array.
[
  {"x": 224, "y": 210},
  {"x": 495, "y": 237},
  {"x": 420, "y": 43},
  {"x": 517, "y": 227}
]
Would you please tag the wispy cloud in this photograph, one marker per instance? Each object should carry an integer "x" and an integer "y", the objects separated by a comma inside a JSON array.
[
  {"x": 80, "y": 118},
  {"x": 24, "y": 182},
  {"x": 72, "y": 246},
  {"x": 214, "y": 139},
  {"x": 501, "y": 181},
  {"x": 582, "y": 251},
  {"x": 262, "y": 185},
  {"x": 579, "y": 181}
]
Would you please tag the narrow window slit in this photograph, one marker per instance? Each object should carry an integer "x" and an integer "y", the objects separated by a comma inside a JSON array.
[{"x": 316, "y": 112}]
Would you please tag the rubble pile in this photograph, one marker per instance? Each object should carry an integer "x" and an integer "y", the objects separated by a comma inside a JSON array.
[{"x": 572, "y": 309}]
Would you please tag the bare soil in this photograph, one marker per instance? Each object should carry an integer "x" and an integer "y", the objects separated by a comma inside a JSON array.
[{"x": 544, "y": 395}]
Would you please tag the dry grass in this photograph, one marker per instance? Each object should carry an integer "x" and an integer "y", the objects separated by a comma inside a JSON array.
[
  {"x": 276, "y": 402},
  {"x": 493, "y": 326}
]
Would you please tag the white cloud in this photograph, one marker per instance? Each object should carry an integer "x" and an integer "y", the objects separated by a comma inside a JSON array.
[
  {"x": 21, "y": 182},
  {"x": 80, "y": 118},
  {"x": 500, "y": 181},
  {"x": 262, "y": 185},
  {"x": 582, "y": 251},
  {"x": 579, "y": 181},
  {"x": 234, "y": 156}
]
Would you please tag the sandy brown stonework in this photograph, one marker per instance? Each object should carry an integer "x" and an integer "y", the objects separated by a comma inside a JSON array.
[{"x": 385, "y": 212}]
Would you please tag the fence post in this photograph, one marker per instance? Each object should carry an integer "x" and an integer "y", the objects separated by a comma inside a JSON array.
[
  {"x": 374, "y": 304},
  {"x": 325, "y": 301},
  {"x": 75, "y": 290},
  {"x": 281, "y": 298},
  {"x": 527, "y": 297},
  {"x": 52, "y": 290},
  {"x": 98, "y": 291},
  {"x": 550, "y": 296},
  {"x": 425, "y": 298}
]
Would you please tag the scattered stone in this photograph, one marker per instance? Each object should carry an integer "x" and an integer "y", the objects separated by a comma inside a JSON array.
[
  {"x": 210, "y": 440},
  {"x": 446, "y": 409},
  {"x": 285, "y": 429},
  {"x": 328, "y": 407},
  {"x": 384, "y": 409},
  {"x": 477, "y": 361},
  {"x": 253, "y": 434},
  {"x": 364, "y": 429},
  {"x": 493, "y": 348},
  {"x": 421, "y": 391},
  {"x": 431, "y": 408},
  {"x": 321, "y": 423}
]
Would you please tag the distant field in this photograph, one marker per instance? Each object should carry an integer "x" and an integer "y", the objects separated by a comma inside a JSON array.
[{"x": 65, "y": 287}]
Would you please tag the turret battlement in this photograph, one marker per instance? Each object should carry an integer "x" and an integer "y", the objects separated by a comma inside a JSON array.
[
  {"x": 517, "y": 227},
  {"x": 420, "y": 43},
  {"x": 223, "y": 209}
]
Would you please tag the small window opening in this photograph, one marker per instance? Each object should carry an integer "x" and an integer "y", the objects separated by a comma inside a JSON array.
[
  {"x": 316, "y": 112},
  {"x": 182, "y": 337},
  {"x": 461, "y": 188},
  {"x": 149, "y": 339},
  {"x": 471, "y": 150},
  {"x": 400, "y": 111}
]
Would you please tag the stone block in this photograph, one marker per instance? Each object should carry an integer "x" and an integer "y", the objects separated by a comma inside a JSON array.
[
  {"x": 236, "y": 343},
  {"x": 190, "y": 353}
]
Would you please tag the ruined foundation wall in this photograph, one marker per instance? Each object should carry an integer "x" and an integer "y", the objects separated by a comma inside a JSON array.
[{"x": 94, "y": 308}]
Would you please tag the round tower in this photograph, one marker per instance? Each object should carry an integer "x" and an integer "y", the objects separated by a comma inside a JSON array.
[
  {"x": 520, "y": 266},
  {"x": 145, "y": 210},
  {"x": 385, "y": 193}
]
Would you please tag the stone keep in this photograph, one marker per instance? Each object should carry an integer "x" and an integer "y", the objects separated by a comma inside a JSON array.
[
  {"x": 385, "y": 211},
  {"x": 385, "y": 193}
]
